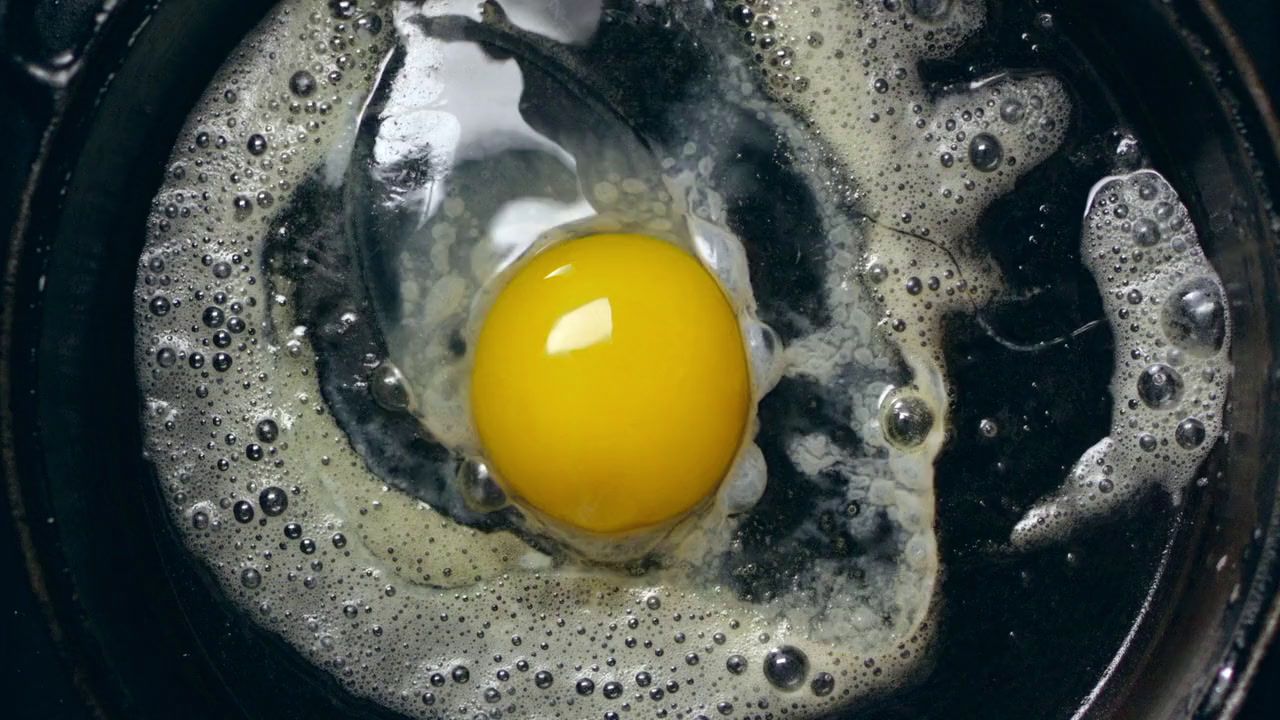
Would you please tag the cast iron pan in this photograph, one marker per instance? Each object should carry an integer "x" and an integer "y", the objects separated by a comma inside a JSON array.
[{"x": 105, "y": 615}]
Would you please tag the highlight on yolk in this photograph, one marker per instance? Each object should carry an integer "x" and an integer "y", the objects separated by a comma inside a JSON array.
[{"x": 611, "y": 387}]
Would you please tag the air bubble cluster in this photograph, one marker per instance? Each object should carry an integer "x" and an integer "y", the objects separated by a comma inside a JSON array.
[{"x": 1168, "y": 311}]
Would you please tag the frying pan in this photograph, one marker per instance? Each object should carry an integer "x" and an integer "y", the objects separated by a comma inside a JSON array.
[{"x": 109, "y": 618}]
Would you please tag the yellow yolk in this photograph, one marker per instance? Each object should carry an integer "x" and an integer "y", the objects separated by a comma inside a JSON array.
[{"x": 611, "y": 387}]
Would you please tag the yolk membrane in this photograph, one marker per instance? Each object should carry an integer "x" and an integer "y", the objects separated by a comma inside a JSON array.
[{"x": 611, "y": 388}]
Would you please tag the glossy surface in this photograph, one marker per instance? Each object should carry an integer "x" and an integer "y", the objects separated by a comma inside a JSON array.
[{"x": 610, "y": 387}]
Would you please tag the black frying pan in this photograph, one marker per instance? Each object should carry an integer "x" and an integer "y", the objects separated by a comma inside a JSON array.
[{"x": 108, "y": 617}]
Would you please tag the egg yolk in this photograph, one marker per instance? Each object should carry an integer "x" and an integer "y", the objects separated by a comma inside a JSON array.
[{"x": 611, "y": 388}]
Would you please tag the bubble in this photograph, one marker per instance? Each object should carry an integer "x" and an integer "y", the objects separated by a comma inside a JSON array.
[
  {"x": 251, "y": 578},
  {"x": 166, "y": 357},
  {"x": 584, "y": 686},
  {"x": 736, "y": 664},
  {"x": 257, "y": 144},
  {"x": 242, "y": 511},
  {"x": 1190, "y": 433},
  {"x": 1159, "y": 386},
  {"x": 267, "y": 430},
  {"x": 1147, "y": 442},
  {"x": 370, "y": 23},
  {"x": 985, "y": 152},
  {"x": 343, "y": 9},
  {"x": 1194, "y": 318},
  {"x": 1146, "y": 232},
  {"x": 213, "y": 317},
  {"x": 543, "y": 679},
  {"x": 611, "y": 690},
  {"x": 786, "y": 667},
  {"x": 929, "y": 9},
  {"x": 822, "y": 684},
  {"x": 160, "y": 305},
  {"x": 479, "y": 489},
  {"x": 460, "y": 674},
  {"x": 273, "y": 500},
  {"x": 390, "y": 389},
  {"x": 302, "y": 83},
  {"x": 906, "y": 421},
  {"x": 1012, "y": 111}
]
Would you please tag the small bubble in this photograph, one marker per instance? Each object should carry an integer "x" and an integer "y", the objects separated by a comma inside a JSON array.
[
  {"x": 257, "y": 144},
  {"x": 585, "y": 686},
  {"x": 213, "y": 316},
  {"x": 480, "y": 491},
  {"x": 1194, "y": 317},
  {"x": 1013, "y": 111},
  {"x": 985, "y": 152},
  {"x": 542, "y": 679},
  {"x": 823, "y": 684},
  {"x": 390, "y": 389},
  {"x": 1145, "y": 232},
  {"x": 342, "y": 9},
  {"x": 1159, "y": 386},
  {"x": 250, "y": 578},
  {"x": 160, "y": 306},
  {"x": 242, "y": 511},
  {"x": 273, "y": 500},
  {"x": 1147, "y": 442},
  {"x": 786, "y": 667},
  {"x": 302, "y": 83},
  {"x": 267, "y": 430},
  {"x": 1190, "y": 433},
  {"x": 906, "y": 421}
]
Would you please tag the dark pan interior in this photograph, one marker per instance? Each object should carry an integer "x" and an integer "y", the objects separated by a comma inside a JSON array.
[{"x": 1077, "y": 627}]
